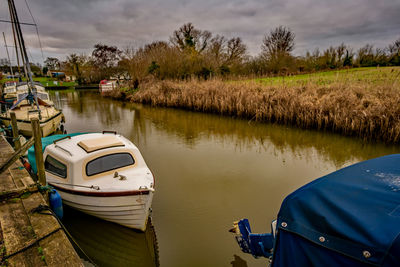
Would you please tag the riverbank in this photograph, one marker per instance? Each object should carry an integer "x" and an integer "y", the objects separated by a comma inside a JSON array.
[
  {"x": 362, "y": 103},
  {"x": 47, "y": 82}
]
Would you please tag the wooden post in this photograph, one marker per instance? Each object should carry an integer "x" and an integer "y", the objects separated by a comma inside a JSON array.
[
  {"x": 37, "y": 134},
  {"x": 17, "y": 142}
]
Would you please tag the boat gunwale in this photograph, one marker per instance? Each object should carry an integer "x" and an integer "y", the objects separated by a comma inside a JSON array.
[
  {"x": 102, "y": 194},
  {"x": 26, "y": 121}
]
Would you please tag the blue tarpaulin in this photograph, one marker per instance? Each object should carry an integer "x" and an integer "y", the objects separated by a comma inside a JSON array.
[
  {"x": 348, "y": 218},
  {"x": 45, "y": 142}
]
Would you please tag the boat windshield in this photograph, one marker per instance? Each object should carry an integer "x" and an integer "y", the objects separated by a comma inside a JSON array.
[
  {"x": 43, "y": 96},
  {"x": 108, "y": 163}
]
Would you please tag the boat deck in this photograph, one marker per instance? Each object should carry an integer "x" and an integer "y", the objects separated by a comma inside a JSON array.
[{"x": 26, "y": 238}]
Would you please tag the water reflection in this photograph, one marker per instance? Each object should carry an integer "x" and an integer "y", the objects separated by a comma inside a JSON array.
[
  {"x": 191, "y": 126},
  {"x": 109, "y": 244},
  {"x": 238, "y": 262}
]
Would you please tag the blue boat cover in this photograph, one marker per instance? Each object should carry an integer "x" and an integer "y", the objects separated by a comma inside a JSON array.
[
  {"x": 48, "y": 140},
  {"x": 348, "y": 218}
]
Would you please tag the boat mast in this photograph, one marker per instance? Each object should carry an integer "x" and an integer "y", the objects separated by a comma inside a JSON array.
[
  {"x": 8, "y": 56},
  {"x": 24, "y": 56},
  {"x": 18, "y": 41},
  {"x": 15, "y": 41}
]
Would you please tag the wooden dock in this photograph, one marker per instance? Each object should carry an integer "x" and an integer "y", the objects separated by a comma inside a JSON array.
[{"x": 28, "y": 238}]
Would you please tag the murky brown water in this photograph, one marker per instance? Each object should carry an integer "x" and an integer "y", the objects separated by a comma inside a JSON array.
[{"x": 210, "y": 170}]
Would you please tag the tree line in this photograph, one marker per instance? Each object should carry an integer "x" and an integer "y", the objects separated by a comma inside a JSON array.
[{"x": 191, "y": 52}]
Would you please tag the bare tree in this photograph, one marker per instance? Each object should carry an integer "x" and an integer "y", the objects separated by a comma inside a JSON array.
[
  {"x": 365, "y": 56},
  {"x": 216, "y": 49},
  {"x": 74, "y": 64},
  {"x": 155, "y": 46},
  {"x": 52, "y": 63},
  {"x": 188, "y": 36},
  {"x": 395, "y": 47},
  {"x": 276, "y": 48},
  {"x": 280, "y": 41},
  {"x": 135, "y": 62},
  {"x": 329, "y": 58},
  {"x": 106, "y": 56},
  {"x": 105, "y": 59},
  {"x": 236, "y": 50},
  {"x": 340, "y": 52}
]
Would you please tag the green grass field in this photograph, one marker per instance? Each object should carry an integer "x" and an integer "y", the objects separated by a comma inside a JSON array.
[
  {"x": 46, "y": 82},
  {"x": 372, "y": 75}
]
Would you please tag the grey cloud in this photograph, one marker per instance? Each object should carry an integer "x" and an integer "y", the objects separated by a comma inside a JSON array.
[{"x": 75, "y": 26}]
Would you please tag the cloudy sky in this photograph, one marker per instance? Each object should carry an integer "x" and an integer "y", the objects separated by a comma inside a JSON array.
[{"x": 74, "y": 26}]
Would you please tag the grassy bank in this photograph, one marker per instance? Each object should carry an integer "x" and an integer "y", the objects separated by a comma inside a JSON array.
[
  {"x": 46, "y": 81},
  {"x": 354, "y": 76},
  {"x": 360, "y": 102}
]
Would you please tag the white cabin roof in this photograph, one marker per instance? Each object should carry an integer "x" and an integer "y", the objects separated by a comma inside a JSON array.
[{"x": 85, "y": 145}]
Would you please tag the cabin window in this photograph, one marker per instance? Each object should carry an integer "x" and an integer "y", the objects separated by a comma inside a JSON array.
[
  {"x": 108, "y": 163},
  {"x": 55, "y": 167}
]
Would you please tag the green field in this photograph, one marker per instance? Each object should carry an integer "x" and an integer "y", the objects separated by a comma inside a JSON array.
[
  {"x": 372, "y": 75},
  {"x": 46, "y": 82}
]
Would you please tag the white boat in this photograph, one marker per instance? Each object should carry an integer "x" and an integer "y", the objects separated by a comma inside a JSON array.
[
  {"x": 50, "y": 118},
  {"x": 101, "y": 174},
  {"x": 29, "y": 99},
  {"x": 107, "y": 86}
]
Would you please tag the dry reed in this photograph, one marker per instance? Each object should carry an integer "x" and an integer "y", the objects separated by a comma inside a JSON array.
[{"x": 369, "y": 111}]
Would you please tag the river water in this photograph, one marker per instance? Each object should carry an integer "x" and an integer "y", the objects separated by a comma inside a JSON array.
[{"x": 210, "y": 170}]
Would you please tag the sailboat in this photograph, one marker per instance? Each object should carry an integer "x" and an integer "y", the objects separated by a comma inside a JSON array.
[{"x": 31, "y": 100}]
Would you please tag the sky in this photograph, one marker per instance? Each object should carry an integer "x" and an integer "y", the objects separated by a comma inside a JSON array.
[{"x": 75, "y": 26}]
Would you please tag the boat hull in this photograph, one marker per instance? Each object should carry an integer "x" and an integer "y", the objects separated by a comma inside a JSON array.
[
  {"x": 131, "y": 209},
  {"x": 47, "y": 126}
]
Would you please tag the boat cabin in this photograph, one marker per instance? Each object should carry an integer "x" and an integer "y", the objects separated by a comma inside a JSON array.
[
  {"x": 22, "y": 89},
  {"x": 16, "y": 91},
  {"x": 85, "y": 159}
]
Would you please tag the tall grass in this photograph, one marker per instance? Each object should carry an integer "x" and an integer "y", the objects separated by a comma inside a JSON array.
[{"x": 365, "y": 109}]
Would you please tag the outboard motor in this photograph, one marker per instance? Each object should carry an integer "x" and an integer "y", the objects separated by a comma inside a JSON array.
[{"x": 258, "y": 245}]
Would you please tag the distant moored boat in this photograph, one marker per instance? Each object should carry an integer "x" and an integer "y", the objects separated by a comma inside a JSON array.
[{"x": 107, "y": 86}]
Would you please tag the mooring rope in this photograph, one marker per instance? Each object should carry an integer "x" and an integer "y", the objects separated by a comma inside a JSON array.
[{"x": 34, "y": 242}]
